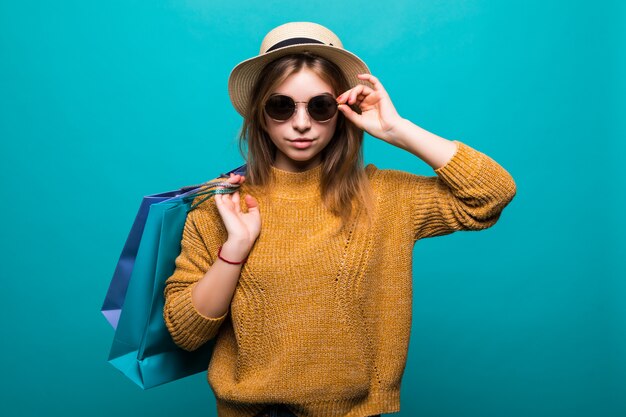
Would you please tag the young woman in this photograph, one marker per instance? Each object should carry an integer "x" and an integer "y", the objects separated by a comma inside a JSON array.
[{"x": 303, "y": 276}]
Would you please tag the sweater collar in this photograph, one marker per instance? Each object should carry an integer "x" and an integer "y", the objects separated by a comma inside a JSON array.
[{"x": 296, "y": 185}]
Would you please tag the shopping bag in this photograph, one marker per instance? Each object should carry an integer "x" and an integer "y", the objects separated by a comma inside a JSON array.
[
  {"x": 114, "y": 299},
  {"x": 142, "y": 347}
]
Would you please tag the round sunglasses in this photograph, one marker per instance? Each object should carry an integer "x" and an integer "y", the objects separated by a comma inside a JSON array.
[{"x": 281, "y": 108}]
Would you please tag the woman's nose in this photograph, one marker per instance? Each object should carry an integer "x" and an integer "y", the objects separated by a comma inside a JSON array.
[{"x": 301, "y": 120}]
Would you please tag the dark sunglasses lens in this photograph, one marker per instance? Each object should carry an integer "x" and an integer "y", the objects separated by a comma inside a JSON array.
[
  {"x": 322, "y": 108},
  {"x": 280, "y": 107}
]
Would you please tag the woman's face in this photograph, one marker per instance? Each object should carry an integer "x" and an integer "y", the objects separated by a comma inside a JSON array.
[{"x": 300, "y": 139}]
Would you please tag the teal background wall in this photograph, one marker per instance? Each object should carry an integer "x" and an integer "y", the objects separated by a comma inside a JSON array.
[{"x": 104, "y": 102}]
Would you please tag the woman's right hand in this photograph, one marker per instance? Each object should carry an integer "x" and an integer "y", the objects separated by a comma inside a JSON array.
[{"x": 243, "y": 228}]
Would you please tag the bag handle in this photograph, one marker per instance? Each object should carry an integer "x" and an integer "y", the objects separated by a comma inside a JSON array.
[{"x": 210, "y": 188}]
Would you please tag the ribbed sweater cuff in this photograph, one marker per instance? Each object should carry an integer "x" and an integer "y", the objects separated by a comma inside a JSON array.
[
  {"x": 464, "y": 165},
  {"x": 193, "y": 327},
  {"x": 469, "y": 169}
]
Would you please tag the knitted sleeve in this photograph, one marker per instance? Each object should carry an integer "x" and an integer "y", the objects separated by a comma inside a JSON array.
[
  {"x": 188, "y": 327},
  {"x": 468, "y": 193}
]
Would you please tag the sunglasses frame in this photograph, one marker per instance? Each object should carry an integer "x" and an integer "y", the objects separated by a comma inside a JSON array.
[{"x": 295, "y": 107}]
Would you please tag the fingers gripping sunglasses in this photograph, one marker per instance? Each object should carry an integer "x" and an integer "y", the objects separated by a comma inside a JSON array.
[{"x": 320, "y": 108}]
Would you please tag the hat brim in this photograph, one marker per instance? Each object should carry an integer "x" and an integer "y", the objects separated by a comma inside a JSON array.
[{"x": 244, "y": 76}]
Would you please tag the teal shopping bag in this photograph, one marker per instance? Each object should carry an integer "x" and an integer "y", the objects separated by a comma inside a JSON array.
[{"x": 142, "y": 348}]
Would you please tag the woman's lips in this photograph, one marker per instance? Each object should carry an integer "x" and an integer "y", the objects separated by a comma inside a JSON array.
[{"x": 301, "y": 143}]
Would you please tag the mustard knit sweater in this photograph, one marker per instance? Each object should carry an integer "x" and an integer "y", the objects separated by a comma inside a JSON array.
[{"x": 320, "y": 321}]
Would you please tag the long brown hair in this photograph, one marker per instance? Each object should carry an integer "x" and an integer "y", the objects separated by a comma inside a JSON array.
[{"x": 344, "y": 184}]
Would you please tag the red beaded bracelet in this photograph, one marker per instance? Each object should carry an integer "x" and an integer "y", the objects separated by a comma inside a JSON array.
[{"x": 219, "y": 255}]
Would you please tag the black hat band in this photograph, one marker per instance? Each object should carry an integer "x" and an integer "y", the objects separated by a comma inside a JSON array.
[{"x": 293, "y": 41}]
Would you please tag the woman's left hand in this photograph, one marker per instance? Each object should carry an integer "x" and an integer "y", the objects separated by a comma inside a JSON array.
[{"x": 378, "y": 116}]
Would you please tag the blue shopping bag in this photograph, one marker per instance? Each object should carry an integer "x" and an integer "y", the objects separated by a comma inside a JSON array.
[{"x": 142, "y": 347}]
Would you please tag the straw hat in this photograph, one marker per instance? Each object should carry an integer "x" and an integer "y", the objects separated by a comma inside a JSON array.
[{"x": 287, "y": 39}]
